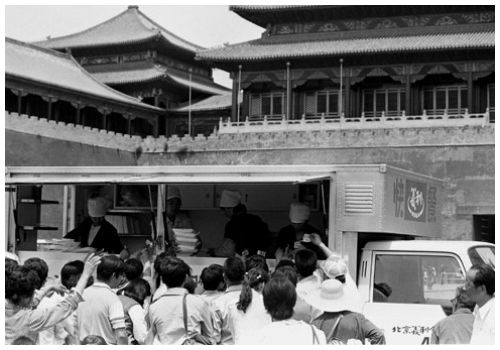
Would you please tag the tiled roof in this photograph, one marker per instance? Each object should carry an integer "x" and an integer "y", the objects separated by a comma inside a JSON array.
[
  {"x": 256, "y": 50},
  {"x": 211, "y": 103},
  {"x": 55, "y": 69},
  {"x": 154, "y": 73},
  {"x": 130, "y": 26}
]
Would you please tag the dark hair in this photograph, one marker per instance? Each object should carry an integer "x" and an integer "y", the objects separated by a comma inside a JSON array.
[
  {"x": 20, "y": 283},
  {"x": 137, "y": 289},
  {"x": 463, "y": 300},
  {"x": 23, "y": 340},
  {"x": 133, "y": 269},
  {"x": 174, "y": 272},
  {"x": 40, "y": 267},
  {"x": 160, "y": 259},
  {"x": 256, "y": 261},
  {"x": 252, "y": 279},
  {"x": 485, "y": 275},
  {"x": 212, "y": 276},
  {"x": 190, "y": 285},
  {"x": 285, "y": 262},
  {"x": 279, "y": 298},
  {"x": 288, "y": 272},
  {"x": 109, "y": 265},
  {"x": 71, "y": 272},
  {"x": 10, "y": 264},
  {"x": 234, "y": 270},
  {"x": 94, "y": 340},
  {"x": 305, "y": 262}
]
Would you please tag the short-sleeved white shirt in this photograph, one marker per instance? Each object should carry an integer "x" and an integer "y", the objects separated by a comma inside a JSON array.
[{"x": 101, "y": 313}]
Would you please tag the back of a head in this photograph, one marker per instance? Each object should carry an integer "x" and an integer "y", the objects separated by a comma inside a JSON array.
[
  {"x": 23, "y": 340},
  {"x": 305, "y": 262},
  {"x": 212, "y": 276},
  {"x": 279, "y": 298},
  {"x": 285, "y": 262},
  {"x": 288, "y": 272},
  {"x": 256, "y": 276},
  {"x": 463, "y": 300},
  {"x": 256, "y": 261},
  {"x": 138, "y": 289},
  {"x": 93, "y": 340},
  {"x": 71, "y": 272},
  {"x": 174, "y": 272},
  {"x": 40, "y": 267},
  {"x": 109, "y": 265},
  {"x": 234, "y": 270},
  {"x": 20, "y": 283},
  {"x": 10, "y": 264},
  {"x": 133, "y": 269},
  {"x": 485, "y": 275},
  {"x": 159, "y": 260}
]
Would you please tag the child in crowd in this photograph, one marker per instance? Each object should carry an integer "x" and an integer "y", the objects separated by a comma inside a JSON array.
[
  {"x": 249, "y": 316},
  {"x": 133, "y": 298}
]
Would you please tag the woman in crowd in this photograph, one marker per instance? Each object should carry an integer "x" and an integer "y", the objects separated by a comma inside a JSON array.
[
  {"x": 20, "y": 319},
  {"x": 338, "y": 321},
  {"x": 249, "y": 315},
  {"x": 279, "y": 299},
  {"x": 133, "y": 297}
]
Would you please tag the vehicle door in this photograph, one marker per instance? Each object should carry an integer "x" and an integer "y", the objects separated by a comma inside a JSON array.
[{"x": 410, "y": 292}]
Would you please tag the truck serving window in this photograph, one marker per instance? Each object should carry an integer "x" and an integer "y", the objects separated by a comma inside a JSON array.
[
  {"x": 416, "y": 279},
  {"x": 482, "y": 255}
]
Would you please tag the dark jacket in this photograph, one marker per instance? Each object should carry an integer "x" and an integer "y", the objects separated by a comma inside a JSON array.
[
  {"x": 248, "y": 232},
  {"x": 286, "y": 238},
  {"x": 353, "y": 325},
  {"x": 106, "y": 238}
]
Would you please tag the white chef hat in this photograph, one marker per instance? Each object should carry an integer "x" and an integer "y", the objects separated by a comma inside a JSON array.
[
  {"x": 229, "y": 199},
  {"x": 173, "y": 192},
  {"x": 97, "y": 206},
  {"x": 299, "y": 213}
]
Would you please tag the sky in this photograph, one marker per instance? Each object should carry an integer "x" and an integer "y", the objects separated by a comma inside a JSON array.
[{"x": 206, "y": 26}]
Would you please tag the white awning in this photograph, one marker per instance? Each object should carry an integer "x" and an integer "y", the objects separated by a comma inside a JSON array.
[{"x": 177, "y": 174}]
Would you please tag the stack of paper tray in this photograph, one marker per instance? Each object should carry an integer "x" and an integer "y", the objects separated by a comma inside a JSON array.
[{"x": 187, "y": 240}]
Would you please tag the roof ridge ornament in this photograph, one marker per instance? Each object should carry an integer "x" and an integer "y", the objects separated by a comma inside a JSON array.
[{"x": 131, "y": 7}]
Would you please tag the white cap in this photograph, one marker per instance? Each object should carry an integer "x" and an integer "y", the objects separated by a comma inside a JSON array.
[
  {"x": 97, "y": 206},
  {"x": 229, "y": 199},
  {"x": 173, "y": 192},
  {"x": 299, "y": 213}
]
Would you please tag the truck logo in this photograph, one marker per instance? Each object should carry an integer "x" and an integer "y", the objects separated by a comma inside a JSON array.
[
  {"x": 415, "y": 208},
  {"x": 416, "y": 203}
]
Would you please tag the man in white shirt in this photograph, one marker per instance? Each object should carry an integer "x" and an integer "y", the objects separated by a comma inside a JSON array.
[
  {"x": 101, "y": 313},
  {"x": 234, "y": 273},
  {"x": 480, "y": 286},
  {"x": 167, "y": 313}
]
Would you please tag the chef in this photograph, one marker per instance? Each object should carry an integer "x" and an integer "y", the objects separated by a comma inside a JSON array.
[
  {"x": 96, "y": 232},
  {"x": 296, "y": 235},
  {"x": 244, "y": 234}
]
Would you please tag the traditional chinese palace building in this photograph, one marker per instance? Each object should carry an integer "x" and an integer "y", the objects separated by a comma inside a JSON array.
[
  {"x": 135, "y": 55},
  {"x": 409, "y": 86}
]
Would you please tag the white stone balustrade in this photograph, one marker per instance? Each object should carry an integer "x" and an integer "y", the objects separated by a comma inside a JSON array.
[{"x": 366, "y": 121}]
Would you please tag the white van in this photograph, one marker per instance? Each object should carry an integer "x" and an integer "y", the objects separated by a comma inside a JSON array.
[{"x": 407, "y": 285}]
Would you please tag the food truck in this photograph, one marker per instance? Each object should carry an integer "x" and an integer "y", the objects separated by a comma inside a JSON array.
[{"x": 357, "y": 206}]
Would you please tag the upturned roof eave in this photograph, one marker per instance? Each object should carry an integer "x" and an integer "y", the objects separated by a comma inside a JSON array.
[{"x": 64, "y": 89}]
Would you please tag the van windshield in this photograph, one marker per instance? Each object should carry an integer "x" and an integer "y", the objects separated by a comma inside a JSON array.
[{"x": 482, "y": 255}]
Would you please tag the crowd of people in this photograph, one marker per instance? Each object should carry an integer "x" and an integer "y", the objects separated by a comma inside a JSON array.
[
  {"x": 241, "y": 302},
  {"x": 303, "y": 301}
]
